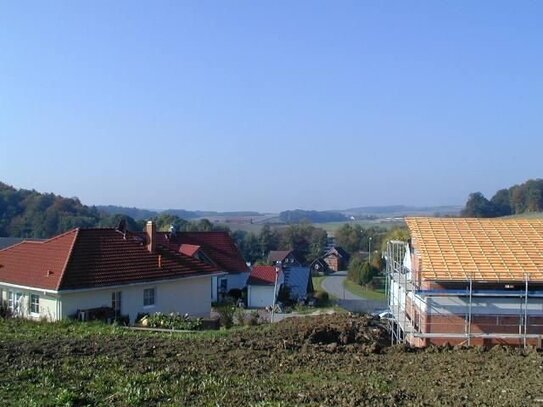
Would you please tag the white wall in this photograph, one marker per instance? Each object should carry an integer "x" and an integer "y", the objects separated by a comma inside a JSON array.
[
  {"x": 188, "y": 295},
  {"x": 259, "y": 296},
  {"x": 234, "y": 280},
  {"x": 396, "y": 296},
  {"x": 47, "y": 303}
]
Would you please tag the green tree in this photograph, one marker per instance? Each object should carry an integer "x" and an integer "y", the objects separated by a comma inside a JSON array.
[
  {"x": 307, "y": 240},
  {"x": 164, "y": 221},
  {"x": 360, "y": 271},
  {"x": 502, "y": 202},
  {"x": 478, "y": 206},
  {"x": 113, "y": 221},
  {"x": 351, "y": 238},
  {"x": 268, "y": 239},
  {"x": 399, "y": 233},
  {"x": 249, "y": 245}
]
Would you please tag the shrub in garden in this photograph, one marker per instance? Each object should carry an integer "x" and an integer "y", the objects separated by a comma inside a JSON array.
[
  {"x": 239, "y": 316},
  {"x": 5, "y": 312},
  {"x": 172, "y": 321},
  {"x": 322, "y": 298},
  {"x": 283, "y": 295},
  {"x": 252, "y": 319},
  {"x": 235, "y": 293},
  {"x": 226, "y": 314}
]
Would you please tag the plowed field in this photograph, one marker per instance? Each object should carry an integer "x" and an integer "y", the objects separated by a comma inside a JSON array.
[{"x": 336, "y": 360}]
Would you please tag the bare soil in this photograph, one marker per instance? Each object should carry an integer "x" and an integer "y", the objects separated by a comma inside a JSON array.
[{"x": 327, "y": 360}]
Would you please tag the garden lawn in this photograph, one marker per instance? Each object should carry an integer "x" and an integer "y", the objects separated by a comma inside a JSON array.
[{"x": 366, "y": 292}]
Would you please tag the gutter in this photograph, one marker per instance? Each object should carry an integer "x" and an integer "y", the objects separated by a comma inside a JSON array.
[
  {"x": 139, "y": 283},
  {"x": 24, "y": 287}
]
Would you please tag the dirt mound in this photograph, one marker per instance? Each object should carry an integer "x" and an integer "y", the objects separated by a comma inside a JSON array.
[{"x": 331, "y": 332}]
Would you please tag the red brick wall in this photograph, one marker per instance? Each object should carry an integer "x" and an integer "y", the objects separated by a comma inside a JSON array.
[
  {"x": 333, "y": 262},
  {"x": 480, "y": 324}
]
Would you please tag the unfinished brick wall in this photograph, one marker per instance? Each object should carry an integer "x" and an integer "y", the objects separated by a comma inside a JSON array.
[{"x": 457, "y": 324}]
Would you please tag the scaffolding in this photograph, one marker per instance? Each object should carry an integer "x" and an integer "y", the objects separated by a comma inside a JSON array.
[{"x": 412, "y": 307}]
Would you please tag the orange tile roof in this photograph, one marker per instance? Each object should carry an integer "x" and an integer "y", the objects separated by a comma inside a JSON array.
[
  {"x": 89, "y": 258},
  {"x": 454, "y": 249},
  {"x": 189, "y": 249},
  {"x": 37, "y": 264},
  {"x": 218, "y": 246},
  {"x": 262, "y": 275}
]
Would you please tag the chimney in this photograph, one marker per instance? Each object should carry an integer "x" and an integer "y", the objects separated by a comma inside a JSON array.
[{"x": 150, "y": 230}]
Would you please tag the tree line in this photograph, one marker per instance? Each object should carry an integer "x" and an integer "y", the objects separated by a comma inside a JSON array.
[
  {"x": 30, "y": 214},
  {"x": 518, "y": 199}
]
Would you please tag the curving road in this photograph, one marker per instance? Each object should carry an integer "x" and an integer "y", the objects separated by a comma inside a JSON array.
[{"x": 333, "y": 285}]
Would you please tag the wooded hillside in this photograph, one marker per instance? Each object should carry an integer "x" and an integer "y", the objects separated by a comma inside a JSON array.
[
  {"x": 27, "y": 213},
  {"x": 518, "y": 199}
]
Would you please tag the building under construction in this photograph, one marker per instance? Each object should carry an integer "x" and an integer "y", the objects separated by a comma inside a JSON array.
[{"x": 467, "y": 281}]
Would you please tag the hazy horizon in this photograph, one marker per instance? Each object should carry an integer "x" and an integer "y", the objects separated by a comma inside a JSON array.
[{"x": 268, "y": 106}]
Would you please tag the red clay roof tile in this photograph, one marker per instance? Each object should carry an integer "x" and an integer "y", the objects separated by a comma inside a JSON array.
[
  {"x": 219, "y": 247},
  {"x": 88, "y": 258},
  {"x": 189, "y": 249},
  {"x": 262, "y": 275}
]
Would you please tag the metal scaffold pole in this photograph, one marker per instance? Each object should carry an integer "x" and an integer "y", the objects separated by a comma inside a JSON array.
[
  {"x": 526, "y": 311},
  {"x": 469, "y": 309}
]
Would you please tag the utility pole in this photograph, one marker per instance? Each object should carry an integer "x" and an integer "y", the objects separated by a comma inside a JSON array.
[
  {"x": 369, "y": 250},
  {"x": 277, "y": 269}
]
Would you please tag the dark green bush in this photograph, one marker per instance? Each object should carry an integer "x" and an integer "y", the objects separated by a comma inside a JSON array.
[
  {"x": 226, "y": 314},
  {"x": 322, "y": 298}
]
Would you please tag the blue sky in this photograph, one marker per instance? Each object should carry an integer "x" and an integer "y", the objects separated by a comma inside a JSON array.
[{"x": 249, "y": 105}]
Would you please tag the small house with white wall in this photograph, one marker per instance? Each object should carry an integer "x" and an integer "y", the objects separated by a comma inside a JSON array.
[
  {"x": 85, "y": 269},
  {"x": 263, "y": 286}
]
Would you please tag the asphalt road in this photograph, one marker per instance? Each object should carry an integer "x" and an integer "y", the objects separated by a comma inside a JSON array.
[{"x": 333, "y": 285}]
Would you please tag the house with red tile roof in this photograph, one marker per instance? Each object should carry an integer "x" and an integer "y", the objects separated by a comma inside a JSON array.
[
  {"x": 87, "y": 269},
  {"x": 263, "y": 285},
  {"x": 216, "y": 248}
]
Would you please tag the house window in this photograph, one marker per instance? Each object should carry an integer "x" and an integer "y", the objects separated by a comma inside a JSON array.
[
  {"x": 34, "y": 304},
  {"x": 223, "y": 285},
  {"x": 116, "y": 302},
  {"x": 148, "y": 297},
  {"x": 14, "y": 301}
]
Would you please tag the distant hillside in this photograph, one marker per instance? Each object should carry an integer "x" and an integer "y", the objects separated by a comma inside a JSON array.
[
  {"x": 402, "y": 210},
  {"x": 135, "y": 213},
  {"x": 298, "y": 215},
  {"x": 144, "y": 214},
  {"x": 208, "y": 214}
]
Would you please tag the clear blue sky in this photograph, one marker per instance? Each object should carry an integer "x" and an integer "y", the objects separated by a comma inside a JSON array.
[{"x": 234, "y": 105}]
